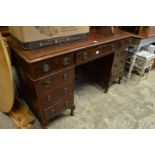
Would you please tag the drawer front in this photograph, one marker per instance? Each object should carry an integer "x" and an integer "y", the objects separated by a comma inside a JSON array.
[
  {"x": 53, "y": 65},
  {"x": 56, "y": 95},
  {"x": 91, "y": 54},
  {"x": 61, "y": 78},
  {"x": 56, "y": 109}
]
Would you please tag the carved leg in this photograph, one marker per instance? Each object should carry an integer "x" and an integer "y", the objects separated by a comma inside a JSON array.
[
  {"x": 106, "y": 89},
  {"x": 119, "y": 81},
  {"x": 141, "y": 74},
  {"x": 43, "y": 125},
  {"x": 148, "y": 71},
  {"x": 133, "y": 59},
  {"x": 72, "y": 111}
]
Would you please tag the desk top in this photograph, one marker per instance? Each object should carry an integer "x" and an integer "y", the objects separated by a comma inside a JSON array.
[{"x": 95, "y": 38}]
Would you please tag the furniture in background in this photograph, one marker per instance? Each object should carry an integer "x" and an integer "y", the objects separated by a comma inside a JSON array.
[
  {"x": 47, "y": 74},
  {"x": 147, "y": 33},
  {"x": 132, "y": 54},
  {"x": 144, "y": 31},
  {"x": 6, "y": 78},
  {"x": 143, "y": 62}
]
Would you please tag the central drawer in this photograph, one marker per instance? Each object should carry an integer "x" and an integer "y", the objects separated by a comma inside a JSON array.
[{"x": 90, "y": 54}]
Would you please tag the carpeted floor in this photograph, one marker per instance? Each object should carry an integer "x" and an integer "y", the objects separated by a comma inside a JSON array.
[{"x": 128, "y": 105}]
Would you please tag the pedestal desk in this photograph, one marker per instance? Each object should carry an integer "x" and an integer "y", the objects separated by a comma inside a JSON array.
[{"x": 47, "y": 74}]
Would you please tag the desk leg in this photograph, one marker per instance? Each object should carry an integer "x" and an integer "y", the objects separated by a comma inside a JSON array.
[
  {"x": 119, "y": 81},
  {"x": 133, "y": 59},
  {"x": 106, "y": 89},
  {"x": 72, "y": 111}
]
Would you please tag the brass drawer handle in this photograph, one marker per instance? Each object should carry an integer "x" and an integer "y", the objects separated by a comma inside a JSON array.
[
  {"x": 113, "y": 47},
  {"x": 47, "y": 84},
  {"x": 46, "y": 68},
  {"x": 67, "y": 61},
  {"x": 65, "y": 91},
  {"x": 129, "y": 41},
  {"x": 52, "y": 111},
  {"x": 122, "y": 43},
  {"x": 97, "y": 52},
  {"x": 49, "y": 98},
  {"x": 66, "y": 104},
  {"x": 85, "y": 56},
  {"x": 65, "y": 77}
]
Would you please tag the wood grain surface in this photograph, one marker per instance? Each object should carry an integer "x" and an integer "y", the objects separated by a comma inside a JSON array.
[{"x": 6, "y": 79}]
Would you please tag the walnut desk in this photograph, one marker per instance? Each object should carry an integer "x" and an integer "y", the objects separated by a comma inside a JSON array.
[{"x": 47, "y": 74}]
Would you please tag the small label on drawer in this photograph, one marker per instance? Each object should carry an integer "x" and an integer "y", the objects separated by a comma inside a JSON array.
[{"x": 97, "y": 52}]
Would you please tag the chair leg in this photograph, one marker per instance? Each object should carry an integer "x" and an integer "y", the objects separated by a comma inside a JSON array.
[
  {"x": 148, "y": 72},
  {"x": 133, "y": 59},
  {"x": 141, "y": 74}
]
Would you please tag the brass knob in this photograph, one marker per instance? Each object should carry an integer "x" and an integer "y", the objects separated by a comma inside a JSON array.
[
  {"x": 123, "y": 43},
  {"x": 67, "y": 61},
  {"x": 66, "y": 104},
  {"x": 85, "y": 56},
  {"x": 46, "y": 68},
  {"x": 97, "y": 52},
  {"x": 65, "y": 77},
  {"x": 129, "y": 41},
  {"x": 65, "y": 91},
  {"x": 49, "y": 98},
  {"x": 47, "y": 83},
  {"x": 113, "y": 47},
  {"x": 52, "y": 111}
]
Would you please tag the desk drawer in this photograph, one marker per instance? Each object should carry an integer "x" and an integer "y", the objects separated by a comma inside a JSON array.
[
  {"x": 56, "y": 94},
  {"x": 61, "y": 78},
  {"x": 54, "y": 110},
  {"x": 91, "y": 54},
  {"x": 53, "y": 65}
]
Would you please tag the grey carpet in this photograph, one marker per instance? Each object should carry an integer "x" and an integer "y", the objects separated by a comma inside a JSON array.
[{"x": 128, "y": 105}]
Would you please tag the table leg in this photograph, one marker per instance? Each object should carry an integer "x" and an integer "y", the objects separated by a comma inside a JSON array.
[
  {"x": 119, "y": 80},
  {"x": 133, "y": 59},
  {"x": 72, "y": 111}
]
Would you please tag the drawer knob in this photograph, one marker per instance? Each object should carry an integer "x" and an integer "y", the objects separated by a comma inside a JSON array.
[
  {"x": 113, "y": 47},
  {"x": 122, "y": 43},
  {"x": 52, "y": 111},
  {"x": 67, "y": 61},
  {"x": 129, "y": 41},
  {"x": 97, "y": 52},
  {"x": 65, "y": 91},
  {"x": 49, "y": 98},
  {"x": 47, "y": 84},
  {"x": 66, "y": 104},
  {"x": 65, "y": 77},
  {"x": 85, "y": 56},
  {"x": 46, "y": 68}
]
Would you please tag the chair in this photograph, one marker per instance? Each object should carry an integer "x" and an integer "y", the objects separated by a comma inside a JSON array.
[
  {"x": 141, "y": 61},
  {"x": 144, "y": 62}
]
